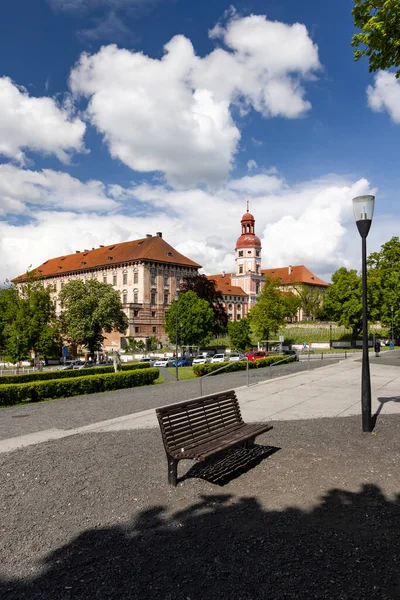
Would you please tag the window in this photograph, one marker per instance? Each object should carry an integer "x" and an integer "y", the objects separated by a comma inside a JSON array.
[
  {"x": 240, "y": 252},
  {"x": 165, "y": 298},
  {"x": 124, "y": 297},
  {"x": 153, "y": 313},
  {"x": 135, "y": 296},
  {"x": 62, "y": 285},
  {"x": 230, "y": 307},
  {"x": 136, "y": 313},
  {"x": 135, "y": 277},
  {"x": 153, "y": 296},
  {"x": 154, "y": 329},
  {"x": 257, "y": 268},
  {"x": 238, "y": 317},
  {"x": 257, "y": 253},
  {"x": 55, "y": 304},
  {"x": 93, "y": 275},
  {"x": 248, "y": 251},
  {"x": 104, "y": 278},
  {"x": 114, "y": 280},
  {"x": 240, "y": 269},
  {"x": 239, "y": 307},
  {"x": 257, "y": 287},
  {"x": 153, "y": 278},
  {"x": 125, "y": 278},
  {"x": 165, "y": 279},
  {"x": 137, "y": 329},
  {"x": 55, "y": 286}
]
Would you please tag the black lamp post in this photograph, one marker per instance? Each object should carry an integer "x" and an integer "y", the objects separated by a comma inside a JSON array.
[{"x": 363, "y": 207}]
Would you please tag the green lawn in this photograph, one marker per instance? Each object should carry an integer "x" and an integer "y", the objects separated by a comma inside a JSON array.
[{"x": 183, "y": 372}]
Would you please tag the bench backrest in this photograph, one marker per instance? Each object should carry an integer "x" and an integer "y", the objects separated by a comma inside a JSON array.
[{"x": 198, "y": 419}]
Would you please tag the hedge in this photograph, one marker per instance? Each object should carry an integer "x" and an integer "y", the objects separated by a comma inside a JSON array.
[
  {"x": 43, "y": 390},
  {"x": 240, "y": 365},
  {"x": 67, "y": 374}
]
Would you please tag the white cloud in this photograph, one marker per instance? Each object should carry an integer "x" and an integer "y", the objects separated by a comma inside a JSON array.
[
  {"x": 385, "y": 95},
  {"x": 174, "y": 114},
  {"x": 110, "y": 27},
  {"x": 36, "y": 124},
  {"x": 310, "y": 223},
  {"x": 251, "y": 165},
  {"x": 22, "y": 192}
]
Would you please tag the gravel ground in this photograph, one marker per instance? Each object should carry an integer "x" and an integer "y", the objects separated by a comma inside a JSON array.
[
  {"x": 92, "y": 517},
  {"x": 68, "y": 413}
]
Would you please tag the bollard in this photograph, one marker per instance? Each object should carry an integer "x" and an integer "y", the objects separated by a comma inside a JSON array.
[
  {"x": 322, "y": 355},
  {"x": 345, "y": 353}
]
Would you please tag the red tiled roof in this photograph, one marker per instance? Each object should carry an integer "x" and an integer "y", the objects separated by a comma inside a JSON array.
[
  {"x": 248, "y": 217},
  {"x": 153, "y": 248},
  {"x": 223, "y": 284},
  {"x": 299, "y": 274},
  {"x": 248, "y": 240}
]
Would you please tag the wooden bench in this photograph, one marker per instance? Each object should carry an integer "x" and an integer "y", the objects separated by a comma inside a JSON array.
[{"x": 203, "y": 427}]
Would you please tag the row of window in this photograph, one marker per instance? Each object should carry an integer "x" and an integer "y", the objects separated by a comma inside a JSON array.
[
  {"x": 241, "y": 253},
  {"x": 153, "y": 280},
  {"x": 137, "y": 329},
  {"x": 241, "y": 269}
]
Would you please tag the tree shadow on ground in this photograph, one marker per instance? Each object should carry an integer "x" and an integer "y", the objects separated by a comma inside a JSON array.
[
  {"x": 229, "y": 465},
  {"x": 382, "y": 402},
  {"x": 222, "y": 547}
]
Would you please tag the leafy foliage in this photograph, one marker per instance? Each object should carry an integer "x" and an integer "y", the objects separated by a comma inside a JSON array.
[
  {"x": 239, "y": 334},
  {"x": 309, "y": 299},
  {"x": 195, "y": 319},
  {"x": 384, "y": 283},
  {"x": 206, "y": 288},
  {"x": 379, "y": 39},
  {"x": 271, "y": 310},
  {"x": 28, "y": 321},
  {"x": 343, "y": 300},
  {"x": 90, "y": 307},
  {"x": 62, "y": 388}
]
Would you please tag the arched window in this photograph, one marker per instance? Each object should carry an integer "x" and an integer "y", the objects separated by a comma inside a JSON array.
[
  {"x": 135, "y": 296},
  {"x": 125, "y": 277},
  {"x": 240, "y": 269},
  {"x": 153, "y": 297},
  {"x": 124, "y": 297},
  {"x": 135, "y": 276}
]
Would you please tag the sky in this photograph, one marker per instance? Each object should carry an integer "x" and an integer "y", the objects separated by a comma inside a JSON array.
[{"x": 120, "y": 118}]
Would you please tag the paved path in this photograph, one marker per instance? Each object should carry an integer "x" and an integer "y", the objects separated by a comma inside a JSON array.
[{"x": 331, "y": 391}]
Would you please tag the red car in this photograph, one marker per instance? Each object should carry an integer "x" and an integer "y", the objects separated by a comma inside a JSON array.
[{"x": 255, "y": 354}]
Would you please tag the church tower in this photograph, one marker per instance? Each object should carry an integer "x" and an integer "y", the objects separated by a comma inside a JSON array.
[{"x": 248, "y": 274}]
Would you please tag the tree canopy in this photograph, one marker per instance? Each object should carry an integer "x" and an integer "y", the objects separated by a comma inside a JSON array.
[
  {"x": 239, "y": 334},
  {"x": 89, "y": 308},
  {"x": 270, "y": 312},
  {"x": 206, "y": 288},
  {"x": 384, "y": 283},
  {"x": 379, "y": 39},
  {"x": 309, "y": 299},
  {"x": 195, "y": 319},
  {"x": 343, "y": 300},
  {"x": 27, "y": 320}
]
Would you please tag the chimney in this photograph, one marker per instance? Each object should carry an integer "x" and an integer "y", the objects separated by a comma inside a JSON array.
[
  {"x": 77, "y": 251},
  {"x": 159, "y": 234},
  {"x": 148, "y": 235},
  {"x": 290, "y": 269},
  {"x": 101, "y": 246},
  {"x": 223, "y": 273}
]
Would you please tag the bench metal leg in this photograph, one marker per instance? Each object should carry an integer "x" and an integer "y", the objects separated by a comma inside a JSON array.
[
  {"x": 249, "y": 444},
  {"x": 172, "y": 471}
]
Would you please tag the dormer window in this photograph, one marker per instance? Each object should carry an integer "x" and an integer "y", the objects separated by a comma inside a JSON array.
[
  {"x": 240, "y": 252},
  {"x": 111, "y": 247}
]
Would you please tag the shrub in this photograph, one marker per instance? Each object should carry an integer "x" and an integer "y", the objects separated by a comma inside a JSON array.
[
  {"x": 68, "y": 374},
  {"x": 200, "y": 370},
  {"x": 36, "y": 391}
]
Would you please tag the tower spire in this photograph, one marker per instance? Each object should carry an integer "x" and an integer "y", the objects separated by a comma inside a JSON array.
[{"x": 247, "y": 204}]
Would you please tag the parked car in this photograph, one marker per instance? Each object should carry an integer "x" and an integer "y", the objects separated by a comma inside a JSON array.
[
  {"x": 201, "y": 360},
  {"x": 70, "y": 364},
  {"x": 183, "y": 361},
  {"x": 162, "y": 362},
  {"x": 255, "y": 354},
  {"x": 236, "y": 356},
  {"x": 291, "y": 353},
  {"x": 150, "y": 361},
  {"x": 217, "y": 358}
]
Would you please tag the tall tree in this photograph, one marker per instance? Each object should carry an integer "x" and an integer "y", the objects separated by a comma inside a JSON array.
[
  {"x": 194, "y": 318},
  {"x": 310, "y": 299},
  {"x": 206, "y": 288},
  {"x": 239, "y": 334},
  {"x": 270, "y": 312},
  {"x": 89, "y": 309},
  {"x": 384, "y": 274},
  {"x": 28, "y": 322},
  {"x": 379, "y": 39},
  {"x": 343, "y": 300}
]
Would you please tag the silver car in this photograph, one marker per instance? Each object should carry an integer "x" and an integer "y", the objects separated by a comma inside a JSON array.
[{"x": 217, "y": 358}]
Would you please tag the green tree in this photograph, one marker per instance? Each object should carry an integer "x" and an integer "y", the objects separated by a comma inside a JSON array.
[
  {"x": 239, "y": 334},
  {"x": 384, "y": 281},
  {"x": 270, "y": 312},
  {"x": 309, "y": 298},
  {"x": 206, "y": 288},
  {"x": 89, "y": 309},
  {"x": 195, "y": 319},
  {"x": 379, "y": 39},
  {"x": 291, "y": 303},
  {"x": 28, "y": 322}
]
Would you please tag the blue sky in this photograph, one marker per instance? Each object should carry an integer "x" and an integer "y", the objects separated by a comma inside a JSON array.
[{"x": 256, "y": 100}]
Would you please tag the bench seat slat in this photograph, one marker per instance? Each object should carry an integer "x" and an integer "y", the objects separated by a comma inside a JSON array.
[
  {"x": 208, "y": 436},
  {"x": 188, "y": 416}
]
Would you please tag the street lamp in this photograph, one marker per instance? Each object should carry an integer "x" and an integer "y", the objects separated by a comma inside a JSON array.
[
  {"x": 392, "y": 307},
  {"x": 363, "y": 207},
  {"x": 176, "y": 336}
]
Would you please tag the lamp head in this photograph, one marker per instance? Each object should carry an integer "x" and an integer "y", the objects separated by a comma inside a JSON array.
[{"x": 363, "y": 207}]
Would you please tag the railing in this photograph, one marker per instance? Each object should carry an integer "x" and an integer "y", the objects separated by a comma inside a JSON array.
[{"x": 247, "y": 371}]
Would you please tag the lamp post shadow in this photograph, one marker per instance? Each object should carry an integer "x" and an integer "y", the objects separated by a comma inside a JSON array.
[{"x": 382, "y": 402}]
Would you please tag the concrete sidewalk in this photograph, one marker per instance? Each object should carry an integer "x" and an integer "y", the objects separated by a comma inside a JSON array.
[{"x": 331, "y": 391}]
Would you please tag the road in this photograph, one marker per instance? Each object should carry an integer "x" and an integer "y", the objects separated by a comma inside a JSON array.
[{"x": 68, "y": 413}]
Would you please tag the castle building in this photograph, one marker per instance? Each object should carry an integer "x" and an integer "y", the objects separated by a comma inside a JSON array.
[
  {"x": 146, "y": 272},
  {"x": 240, "y": 289}
]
